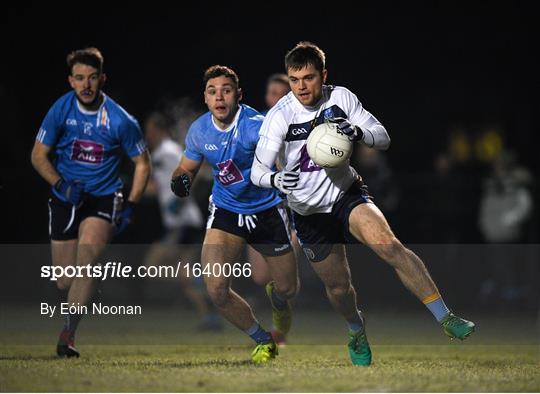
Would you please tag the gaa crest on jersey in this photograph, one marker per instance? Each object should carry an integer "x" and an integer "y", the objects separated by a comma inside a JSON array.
[
  {"x": 88, "y": 152},
  {"x": 229, "y": 174}
]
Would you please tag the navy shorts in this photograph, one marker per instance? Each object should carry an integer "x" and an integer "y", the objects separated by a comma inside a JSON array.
[
  {"x": 65, "y": 218},
  {"x": 266, "y": 231},
  {"x": 319, "y": 232}
]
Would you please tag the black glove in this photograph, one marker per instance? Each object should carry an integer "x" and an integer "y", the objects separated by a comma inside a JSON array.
[
  {"x": 71, "y": 190},
  {"x": 181, "y": 185},
  {"x": 354, "y": 133},
  {"x": 285, "y": 181}
]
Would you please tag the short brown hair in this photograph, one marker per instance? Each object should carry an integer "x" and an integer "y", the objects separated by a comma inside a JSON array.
[
  {"x": 281, "y": 78},
  {"x": 218, "y": 71},
  {"x": 305, "y": 53},
  {"x": 90, "y": 56}
]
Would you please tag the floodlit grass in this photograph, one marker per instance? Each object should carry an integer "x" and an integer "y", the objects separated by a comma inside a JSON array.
[{"x": 164, "y": 352}]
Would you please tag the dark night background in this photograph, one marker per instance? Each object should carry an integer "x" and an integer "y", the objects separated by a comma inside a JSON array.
[{"x": 424, "y": 71}]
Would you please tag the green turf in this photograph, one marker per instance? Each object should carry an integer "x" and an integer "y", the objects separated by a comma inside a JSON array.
[{"x": 163, "y": 352}]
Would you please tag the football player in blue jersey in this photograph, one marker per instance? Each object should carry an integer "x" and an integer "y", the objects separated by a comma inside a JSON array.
[
  {"x": 87, "y": 132},
  {"x": 240, "y": 212}
]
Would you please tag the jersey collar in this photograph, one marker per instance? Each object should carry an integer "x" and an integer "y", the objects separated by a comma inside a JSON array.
[
  {"x": 232, "y": 125},
  {"x": 85, "y": 111}
]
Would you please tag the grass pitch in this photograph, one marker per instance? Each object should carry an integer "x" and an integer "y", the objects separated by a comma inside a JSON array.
[{"x": 162, "y": 351}]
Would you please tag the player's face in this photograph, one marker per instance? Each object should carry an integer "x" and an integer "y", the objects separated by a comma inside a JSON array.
[
  {"x": 275, "y": 91},
  {"x": 306, "y": 84},
  {"x": 87, "y": 82},
  {"x": 222, "y": 96}
]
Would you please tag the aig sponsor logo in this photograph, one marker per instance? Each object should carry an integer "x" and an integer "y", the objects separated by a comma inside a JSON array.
[
  {"x": 229, "y": 174},
  {"x": 89, "y": 152},
  {"x": 210, "y": 147}
]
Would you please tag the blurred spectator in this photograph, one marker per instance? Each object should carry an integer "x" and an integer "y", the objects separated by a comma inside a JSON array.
[
  {"x": 182, "y": 219},
  {"x": 373, "y": 166},
  {"x": 505, "y": 209},
  {"x": 276, "y": 87},
  {"x": 506, "y": 202}
]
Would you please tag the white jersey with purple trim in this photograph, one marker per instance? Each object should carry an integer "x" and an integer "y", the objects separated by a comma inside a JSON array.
[{"x": 286, "y": 129}]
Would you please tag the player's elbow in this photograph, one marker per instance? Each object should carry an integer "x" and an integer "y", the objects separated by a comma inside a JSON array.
[
  {"x": 256, "y": 173},
  {"x": 37, "y": 157},
  {"x": 143, "y": 164},
  {"x": 253, "y": 177}
]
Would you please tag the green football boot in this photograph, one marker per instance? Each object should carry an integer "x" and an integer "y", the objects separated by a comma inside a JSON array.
[
  {"x": 359, "y": 349},
  {"x": 263, "y": 352},
  {"x": 456, "y": 327}
]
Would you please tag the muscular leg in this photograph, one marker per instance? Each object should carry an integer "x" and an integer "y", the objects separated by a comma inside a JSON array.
[
  {"x": 94, "y": 234},
  {"x": 64, "y": 253},
  {"x": 260, "y": 272},
  {"x": 284, "y": 271},
  {"x": 368, "y": 225},
  {"x": 223, "y": 248},
  {"x": 336, "y": 276}
]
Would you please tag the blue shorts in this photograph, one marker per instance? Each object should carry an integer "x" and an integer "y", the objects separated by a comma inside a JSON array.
[{"x": 319, "y": 232}]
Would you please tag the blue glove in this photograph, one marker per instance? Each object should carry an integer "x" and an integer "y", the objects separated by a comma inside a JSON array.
[
  {"x": 124, "y": 219},
  {"x": 72, "y": 191},
  {"x": 354, "y": 133},
  {"x": 181, "y": 185}
]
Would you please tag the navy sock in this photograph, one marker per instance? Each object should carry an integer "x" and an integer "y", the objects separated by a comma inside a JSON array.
[
  {"x": 71, "y": 321},
  {"x": 258, "y": 334}
]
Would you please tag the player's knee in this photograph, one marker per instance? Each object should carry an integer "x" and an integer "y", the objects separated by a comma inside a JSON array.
[
  {"x": 286, "y": 290},
  {"x": 339, "y": 290},
  {"x": 63, "y": 283},
  {"x": 390, "y": 250}
]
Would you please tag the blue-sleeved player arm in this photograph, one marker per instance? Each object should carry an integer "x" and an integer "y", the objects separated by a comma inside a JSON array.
[
  {"x": 193, "y": 151},
  {"x": 131, "y": 138},
  {"x": 51, "y": 127}
]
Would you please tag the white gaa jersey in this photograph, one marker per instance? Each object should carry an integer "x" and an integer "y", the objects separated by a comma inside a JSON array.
[
  {"x": 286, "y": 129},
  {"x": 165, "y": 159}
]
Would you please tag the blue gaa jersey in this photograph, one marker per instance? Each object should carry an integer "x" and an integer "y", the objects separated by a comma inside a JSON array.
[
  {"x": 89, "y": 145},
  {"x": 231, "y": 153}
]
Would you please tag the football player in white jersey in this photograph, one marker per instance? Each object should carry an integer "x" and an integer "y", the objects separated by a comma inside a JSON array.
[{"x": 331, "y": 206}]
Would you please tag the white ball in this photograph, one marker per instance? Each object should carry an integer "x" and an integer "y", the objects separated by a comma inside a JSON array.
[{"x": 328, "y": 147}]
